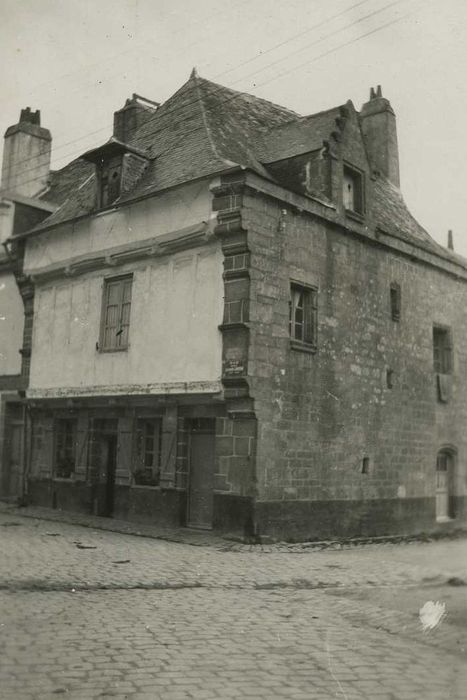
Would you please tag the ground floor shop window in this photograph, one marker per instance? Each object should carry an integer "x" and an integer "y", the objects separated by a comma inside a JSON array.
[
  {"x": 148, "y": 451},
  {"x": 65, "y": 447}
]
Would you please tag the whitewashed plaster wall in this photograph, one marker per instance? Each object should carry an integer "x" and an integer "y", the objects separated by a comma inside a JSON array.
[
  {"x": 177, "y": 305},
  {"x": 172, "y": 211},
  {"x": 11, "y": 325}
]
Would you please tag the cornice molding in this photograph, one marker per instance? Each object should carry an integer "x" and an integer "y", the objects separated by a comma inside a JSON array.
[
  {"x": 156, "y": 389},
  {"x": 157, "y": 246}
]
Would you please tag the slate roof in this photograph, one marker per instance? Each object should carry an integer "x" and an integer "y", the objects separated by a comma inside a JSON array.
[
  {"x": 64, "y": 181},
  {"x": 394, "y": 217},
  {"x": 205, "y": 128},
  {"x": 298, "y": 136},
  {"x": 202, "y": 129}
]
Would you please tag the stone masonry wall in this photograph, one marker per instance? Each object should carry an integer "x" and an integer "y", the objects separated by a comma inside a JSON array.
[{"x": 320, "y": 414}]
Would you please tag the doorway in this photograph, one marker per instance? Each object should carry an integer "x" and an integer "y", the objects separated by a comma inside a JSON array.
[
  {"x": 201, "y": 474},
  {"x": 13, "y": 455},
  {"x": 110, "y": 466},
  {"x": 102, "y": 461},
  {"x": 444, "y": 480}
]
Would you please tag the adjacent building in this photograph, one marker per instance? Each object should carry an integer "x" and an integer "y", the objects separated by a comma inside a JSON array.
[{"x": 234, "y": 322}]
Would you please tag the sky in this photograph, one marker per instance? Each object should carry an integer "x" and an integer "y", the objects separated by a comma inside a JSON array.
[{"x": 78, "y": 60}]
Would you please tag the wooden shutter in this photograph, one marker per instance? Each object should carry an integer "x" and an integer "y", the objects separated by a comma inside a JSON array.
[
  {"x": 81, "y": 459},
  {"x": 125, "y": 450},
  {"x": 169, "y": 447}
]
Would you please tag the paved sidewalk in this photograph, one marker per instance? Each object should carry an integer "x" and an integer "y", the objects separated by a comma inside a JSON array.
[
  {"x": 206, "y": 538},
  {"x": 87, "y": 613},
  {"x": 200, "y": 538}
]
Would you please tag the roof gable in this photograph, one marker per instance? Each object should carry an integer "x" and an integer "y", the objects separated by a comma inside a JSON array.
[{"x": 298, "y": 136}]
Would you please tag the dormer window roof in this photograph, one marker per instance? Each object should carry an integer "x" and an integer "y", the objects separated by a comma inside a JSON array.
[
  {"x": 111, "y": 148},
  {"x": 112, "y": 175}
]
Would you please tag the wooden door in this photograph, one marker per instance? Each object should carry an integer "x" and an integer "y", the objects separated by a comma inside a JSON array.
[
  {"x": 110, "y": 452},
  {"x": 202, "y": 452},
  {"x": 443, "y": 484}
]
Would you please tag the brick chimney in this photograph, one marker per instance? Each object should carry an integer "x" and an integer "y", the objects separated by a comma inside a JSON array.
[
  {"x": 378, "y": 124},
  {"x": 26, "y": 155},
  {"x": 127, "y": 120}
]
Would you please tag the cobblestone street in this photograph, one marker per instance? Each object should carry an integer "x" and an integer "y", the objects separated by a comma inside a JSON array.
[{"x": 87, "y": 613}]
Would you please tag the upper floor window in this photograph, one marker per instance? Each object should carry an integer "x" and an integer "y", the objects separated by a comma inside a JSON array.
[
  {"x": 442, "y": 350},
  {"x": 303, "y": 314},
  {"x": 353, "y": 190},
  {"x": 116, "y": 306},
  {"x": 110, "y": 181},
  {"x": 65, "y": 447}
]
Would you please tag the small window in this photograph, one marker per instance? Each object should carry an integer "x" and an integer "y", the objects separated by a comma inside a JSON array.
[
  {"x": 395, "y": 299},
  {"x": 353, "y": 190},
  {"x": 116, "y": 308},
  {"x": 442, "y": 350},
  {"x": 366, "y": 465},
  {"x": 110, "y": 181},
  {"x": 148, "y": 452},
  {"x": 303, "y": 314},
  {"x": 65, "y": 447}
]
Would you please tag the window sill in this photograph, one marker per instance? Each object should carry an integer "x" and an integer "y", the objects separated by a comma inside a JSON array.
[
  {"x": 236, "y": 274},
  {"x": 357, "y": 216},
  {"x": 233, "y": 325},
  {"x": 66, "y": 479},
  {"x": 303, "y": 347},
  {"x": 105, "y": 351},
  {"x": 444, "y": 519},
  {"x": 144, "y": 486}
]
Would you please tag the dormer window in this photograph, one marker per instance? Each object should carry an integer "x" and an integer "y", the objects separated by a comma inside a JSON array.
[
  {"x": 352, "y": 190},
  {"x": 110, "y": 179},
  {"x": 118, "y": 169}
]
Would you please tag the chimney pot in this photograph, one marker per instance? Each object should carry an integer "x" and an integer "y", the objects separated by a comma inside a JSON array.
[
  {"x": 28, "y": 117},
  {"x": 131, "y": 116},
  {"x": 378, "y": 124},
  {"x": 450, "y": 240}
]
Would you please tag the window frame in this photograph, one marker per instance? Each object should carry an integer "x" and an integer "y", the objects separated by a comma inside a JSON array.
[
  {"x": 56, "y": 443},
  {"x": 395, "y": 300},
  {"x": 358, "y": 176},
  {"x": 110, "y": 181},
  {"x": 119, "y": 346},
  {"x": 311, "y": 293},
  {"x": 140, "y": 478},
  {"x": 443, "y": 364}
]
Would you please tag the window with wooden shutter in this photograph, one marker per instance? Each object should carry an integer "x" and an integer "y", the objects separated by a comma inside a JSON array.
[
  {"x": 148, "y": 451},
  {"x": 442, "y": 350},
  {"x": 303, "y": 314},
  {"x": 110, "y": 177},
  {"x": 65, "y": 447},
  {"x": 116, "y": 309},
  {"x": 352, "y": 190}
]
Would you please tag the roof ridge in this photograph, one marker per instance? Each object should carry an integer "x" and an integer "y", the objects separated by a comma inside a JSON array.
[{"x": 194, "y": 77}]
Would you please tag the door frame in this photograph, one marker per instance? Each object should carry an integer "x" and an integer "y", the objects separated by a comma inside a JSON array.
[
  {"x": 449, "y": 454},
  {"x": 206, "y": 426}
]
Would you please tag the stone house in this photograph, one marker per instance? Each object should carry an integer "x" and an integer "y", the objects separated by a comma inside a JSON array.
[{"x": 238, "y": 324}]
